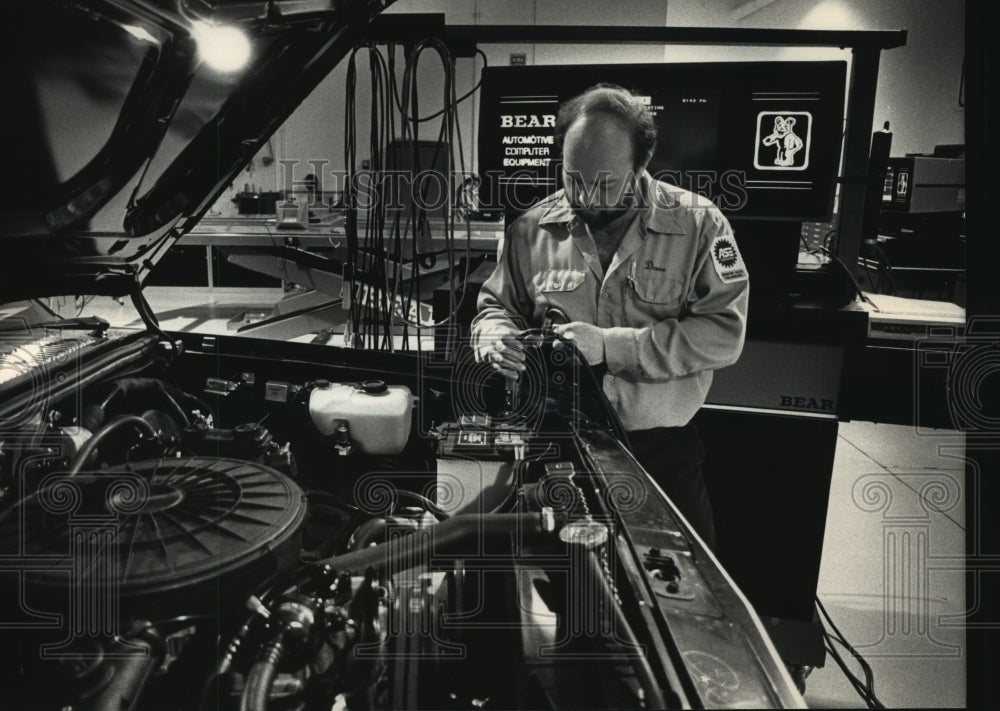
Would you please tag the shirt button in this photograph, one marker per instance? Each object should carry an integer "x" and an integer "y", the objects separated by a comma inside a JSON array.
[
  {"x": 649, "y": 295},
  {"x": 606, "y": 295}
]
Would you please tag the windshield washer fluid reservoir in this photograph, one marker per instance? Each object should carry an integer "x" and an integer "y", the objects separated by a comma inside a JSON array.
[{"x": 378, "y": 415}]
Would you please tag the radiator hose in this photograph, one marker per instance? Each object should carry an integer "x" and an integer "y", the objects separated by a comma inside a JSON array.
[
  {"x": 294, "y": 623},
  {"x": 117, "y": 423},
  {"x": 464, "y": 533}
]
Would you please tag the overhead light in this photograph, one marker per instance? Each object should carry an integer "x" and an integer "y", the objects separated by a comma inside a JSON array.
[{"x": 224, "y": 48}]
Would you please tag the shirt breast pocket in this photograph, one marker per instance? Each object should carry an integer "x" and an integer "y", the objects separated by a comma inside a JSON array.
[
  {"x": 559, "y": 287},
  {"x": 653, "y": 298},
  {"x": 552, "y": 281}
]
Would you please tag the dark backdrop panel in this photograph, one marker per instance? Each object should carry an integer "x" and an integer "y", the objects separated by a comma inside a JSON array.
[
  {"x": 762, "y": 139},
  {"x": 769, "y": 481}
]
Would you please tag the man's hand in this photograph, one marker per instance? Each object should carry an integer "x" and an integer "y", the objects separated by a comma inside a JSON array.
[
  {"x": 506, "y": 354},
  {"x": 589, "y": 339}
]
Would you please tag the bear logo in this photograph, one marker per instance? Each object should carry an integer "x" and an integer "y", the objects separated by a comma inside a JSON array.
[{"x": 788, "y": 143}]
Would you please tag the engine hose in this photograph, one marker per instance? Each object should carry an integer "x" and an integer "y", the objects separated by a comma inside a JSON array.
[
  {"x": 193, "y": 401},
  {"x": 117, "y": 423},
  {"x": 376, "y": 530},
  {"x": 257, "y": 691},
  {"x": 113, "y": 394},
  {"x": 516, "y": 479},
  {"x": 428, "y": 505},
  {"x": 448, "y": 537},
  {"x": 95, "y": 413},
  {"x": 371, "y": 531},
  {"x": 175, "y": 406},
  {"x": 218, "y": 685}
]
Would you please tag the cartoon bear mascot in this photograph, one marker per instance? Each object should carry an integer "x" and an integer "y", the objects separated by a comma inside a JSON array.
[{"x": 785, "y": 139}]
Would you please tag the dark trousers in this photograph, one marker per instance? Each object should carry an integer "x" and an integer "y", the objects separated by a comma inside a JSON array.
[{"x": 673, "y": 457}]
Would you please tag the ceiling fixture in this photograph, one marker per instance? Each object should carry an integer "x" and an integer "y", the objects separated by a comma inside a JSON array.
[{"x": 224, "y": 48}]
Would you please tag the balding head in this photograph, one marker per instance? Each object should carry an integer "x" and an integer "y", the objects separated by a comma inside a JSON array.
[
  {"x": 607, "y": 138},
  {"x": 611, "y": 100},
  {"x": 599, "y": 139}
]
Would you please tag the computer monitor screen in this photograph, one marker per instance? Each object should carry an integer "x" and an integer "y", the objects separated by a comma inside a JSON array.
[{"x": 761, "y": 139}]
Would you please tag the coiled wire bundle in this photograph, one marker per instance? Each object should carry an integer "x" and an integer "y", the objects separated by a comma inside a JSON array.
[{"x": 385, "y": 258}]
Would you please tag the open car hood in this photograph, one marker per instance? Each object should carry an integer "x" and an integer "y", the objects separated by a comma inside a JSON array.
[{"x": 119, "y": 137}]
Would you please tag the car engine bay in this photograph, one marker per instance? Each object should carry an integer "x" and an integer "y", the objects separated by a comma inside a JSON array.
[{"x": 182, "y": 537}]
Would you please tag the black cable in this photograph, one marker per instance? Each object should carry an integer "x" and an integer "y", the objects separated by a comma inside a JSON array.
[
  {"x": 179, "y": 619},
  {"x": 857, "y": 287},
  {"x": 445, "y": 139},
  {"x": 867, "y": 694},
  {"x": 466, "y": 95},
  {"x": 357, "y": 310},
  {"x": 822, "y": 609},
  {"x": 829, "y": 241},
  {"x": 509, "y": 501},
  {"x": 84, "y": 302},
  {"x": 175, "y": 406},
  {"x": 371, "y": 319},
  {"x": 868, "y": 274},
  {"x": 961, "y": 85},
  {"x": 510, "y": 496},
  {"x": 858, "y": 687},
  {"x": 448, "y": 128},
  {"x": 203, "y": 407},
  {"x": 866, "y": 690},
  {"x": 617, "y": 427},
  {"x": 869, "y": 680},
  {"x": 432, "y": 508},
  {"x": 350, "y": 197},
  {"x": 884, "y": 260}
]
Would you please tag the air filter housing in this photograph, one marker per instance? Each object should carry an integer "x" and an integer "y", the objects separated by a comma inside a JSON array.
[{"x": 167, "y": 535}]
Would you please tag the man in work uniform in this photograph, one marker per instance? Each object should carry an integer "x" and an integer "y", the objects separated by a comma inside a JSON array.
[{"x": 648, "y": 274}]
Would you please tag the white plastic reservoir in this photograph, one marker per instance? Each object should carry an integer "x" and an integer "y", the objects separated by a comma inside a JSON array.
[{"x": 378, "y": 416}]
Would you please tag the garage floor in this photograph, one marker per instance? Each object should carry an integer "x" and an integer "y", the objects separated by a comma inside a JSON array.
[{"x": 892, "y": 576}]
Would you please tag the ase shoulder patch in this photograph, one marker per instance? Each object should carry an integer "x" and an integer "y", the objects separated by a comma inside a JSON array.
[{"x": 727, "y": 260}]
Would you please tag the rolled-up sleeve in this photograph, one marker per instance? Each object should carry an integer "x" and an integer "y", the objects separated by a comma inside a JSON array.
[
  {"x": 504, "y": 304},
  {"x": 711, "y": 332}
]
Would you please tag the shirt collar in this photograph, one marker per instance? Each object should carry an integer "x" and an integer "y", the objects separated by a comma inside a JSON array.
[
  {"x": 661, "y": 201},
  {"x": 557, "y": 211}
]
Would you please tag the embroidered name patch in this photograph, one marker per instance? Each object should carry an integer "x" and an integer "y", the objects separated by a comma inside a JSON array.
[{"x": 727, "y": 260}]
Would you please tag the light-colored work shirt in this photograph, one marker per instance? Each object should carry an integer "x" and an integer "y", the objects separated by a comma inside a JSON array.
[{"x": 672, "y": 304}]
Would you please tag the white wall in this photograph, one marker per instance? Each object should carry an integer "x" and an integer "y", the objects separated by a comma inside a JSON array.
[
  {"x": 918, "y": 83},
  {"x": 917, "y": 91}
]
